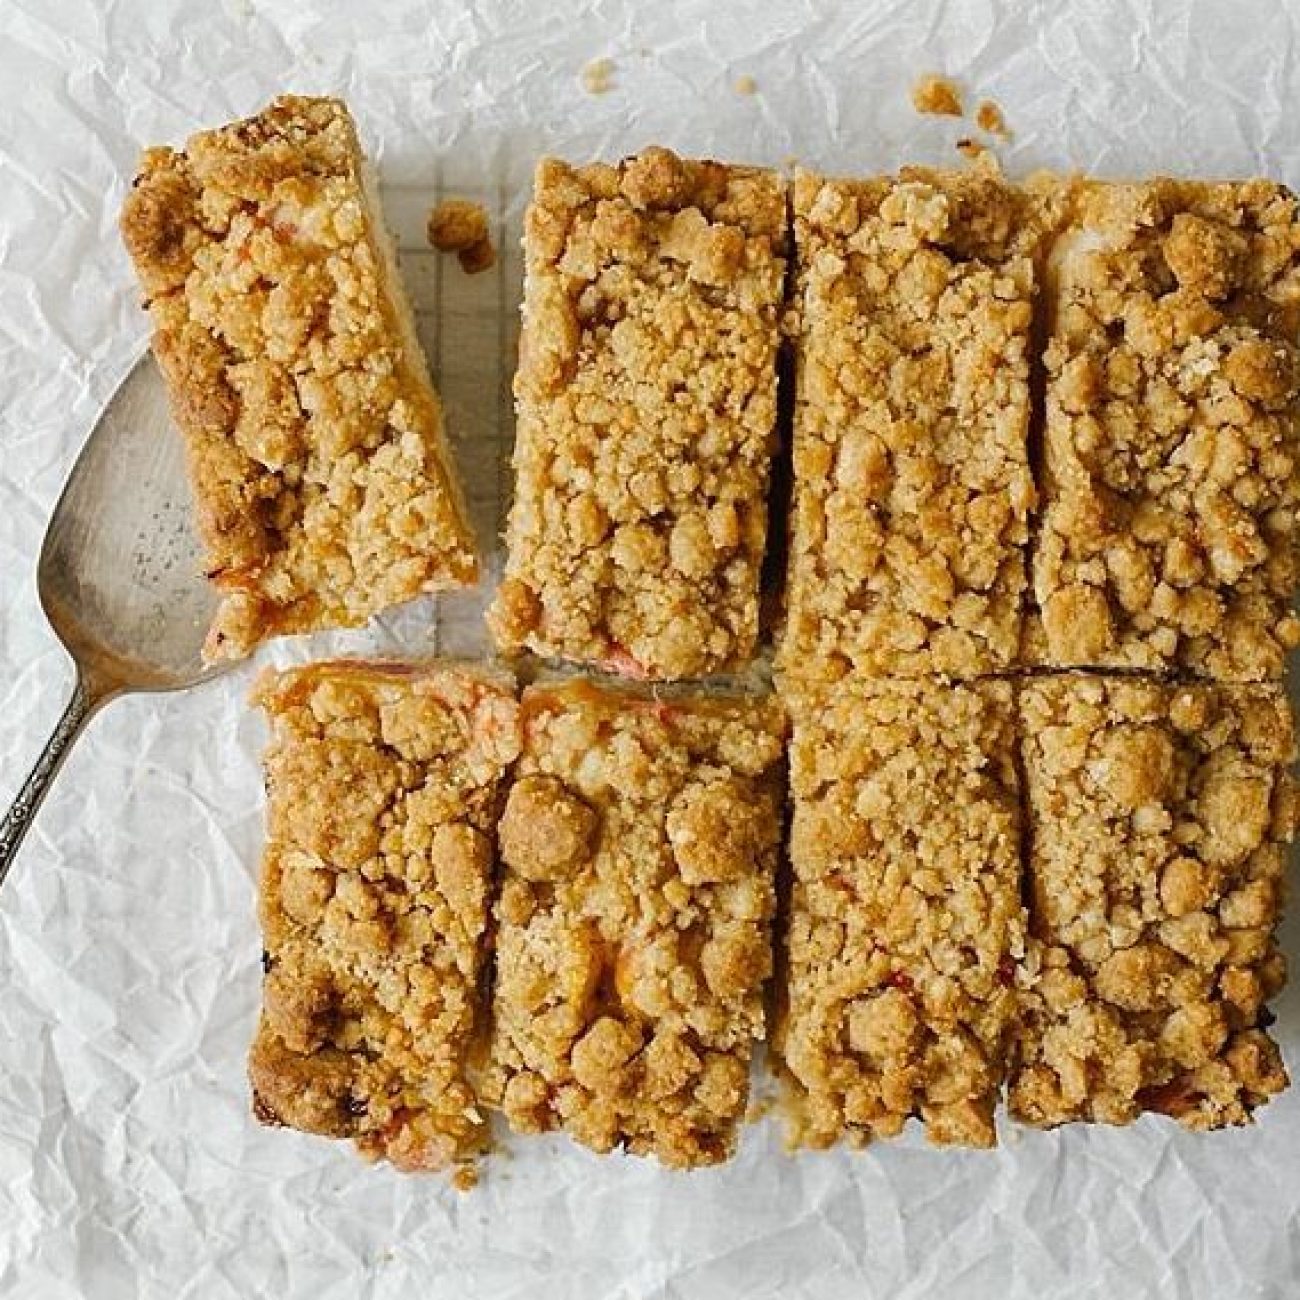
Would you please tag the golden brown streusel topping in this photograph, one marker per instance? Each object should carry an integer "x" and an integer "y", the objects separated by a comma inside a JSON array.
[
  {"x": 383, "y": 783},
  {"x": 937, "y": 95},
  {"x": 1172, "y": 477},
  {"x": 1160, "y": 816},
  {"x": 912, "y": 476},
  {"x": 906, "y": 923},
  {"x": 323, "y": 486},
  {"x": 646, "y": 397},
  {"x": 640, "y": 841}
]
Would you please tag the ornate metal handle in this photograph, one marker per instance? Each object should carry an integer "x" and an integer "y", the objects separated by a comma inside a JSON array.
[{"x": 19, "y": 817}]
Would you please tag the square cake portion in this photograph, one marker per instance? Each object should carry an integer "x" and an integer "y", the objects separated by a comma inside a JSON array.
[
  {"x": 640, "y": 843},
  {"x": 1172, "y": 463},
  {"x": 646, "y": 396},
  {"x": 912, "y": 483},
  {"x": 322, "y": 479},
  {"x": 383, "y": 783},
  {"x": 906, "y": 923},
  {"x": 1159, "y": 820}
]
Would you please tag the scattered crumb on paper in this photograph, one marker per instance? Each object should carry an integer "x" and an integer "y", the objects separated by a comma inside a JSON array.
[
  {"x": 938, "y": 95},
  {"x": 457, "y": 224},
  {"x": 460, "y": 226},
  {"x": 971, "y": 148},
  {"x": 598, "y": 76},
  {"x": 989, "y": 117},
  {"x": 745, "y": 85},
  {"x": 477, "y": 257}
]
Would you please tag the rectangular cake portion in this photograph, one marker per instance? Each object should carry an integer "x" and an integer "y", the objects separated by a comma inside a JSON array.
[
  {"x": 646, "y": 397},
  {"x": 1159, "y": 821},
  {"x": 912, "y": 483},
  {"x": 383, "y": 782},
  {"x": 640, "y": 842},
  {"x": 906, "y": 924},
  {"x": 1171, "y": 486},
  {"x": 322, "y": 479}
]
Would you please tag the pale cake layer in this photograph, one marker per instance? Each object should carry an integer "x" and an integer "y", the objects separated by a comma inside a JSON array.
[
  {"x": 906, "y": 924},
  {"x": 1171, "y": 482},
  {"x": 321, "y": 476},
  {"x": 646, "y": 397},
  {"x": 1159, "y": 822},
  {"x": 912, "y": 483},
  {"x": 640, "y": 842},
  {"x": 383, "y": 784}
]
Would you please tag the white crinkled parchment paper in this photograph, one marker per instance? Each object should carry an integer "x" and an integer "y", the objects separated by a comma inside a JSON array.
[{"x": 129, "y": 1164}]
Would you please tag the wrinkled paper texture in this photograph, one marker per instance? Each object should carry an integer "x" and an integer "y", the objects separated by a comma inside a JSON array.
[{"x": 129, "y": 1162}]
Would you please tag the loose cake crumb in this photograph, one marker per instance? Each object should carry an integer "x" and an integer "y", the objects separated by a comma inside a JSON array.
[
  {"x": 746, "y": 85},
  {"x": 456, "y": 225},
  {"x": 324, "y": 486},
  {"x": 598, "y": 76},
  {"x": 479, "y": 257},
  {"x": 937, "y": 95},
  {"x": 460, "y": 226},
  {"x": 989, "y": 117}
]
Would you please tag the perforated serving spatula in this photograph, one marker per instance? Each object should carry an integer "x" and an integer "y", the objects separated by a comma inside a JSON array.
[{"x": 120, "y": 576}]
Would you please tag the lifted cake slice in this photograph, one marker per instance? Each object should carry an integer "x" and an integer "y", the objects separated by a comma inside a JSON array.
[
  {"x": 640, "y": 842},
  {"x": 383, "y": 783},
  {"x": 323, "y": 483}
]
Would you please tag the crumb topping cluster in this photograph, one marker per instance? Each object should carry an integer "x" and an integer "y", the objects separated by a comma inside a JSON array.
[
  {"x": 906, "y": 923},
  {"x": 639, "y": 840},
  {"x": 646, "y": 396},
  {"x": 383, "y": 788},
  {"x": 322, "y": 482},
  {"x": 1160, "y": 815}
]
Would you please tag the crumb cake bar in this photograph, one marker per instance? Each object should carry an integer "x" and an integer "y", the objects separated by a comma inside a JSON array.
[
  {"x": 646, "y": 396},
  {"x": 640, "y": 841},
  {"x": 906, "y": 923},
  {"x": 1172, "y": 461},
  {"x": 912, "y": 483},
  {"x": 322, "y": 479},
  {"x": 1159, "y": 820},
  {"x": 383, "y": 783}
]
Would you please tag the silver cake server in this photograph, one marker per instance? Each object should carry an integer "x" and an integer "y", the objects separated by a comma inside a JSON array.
[{"x": 120, "y": 576}]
